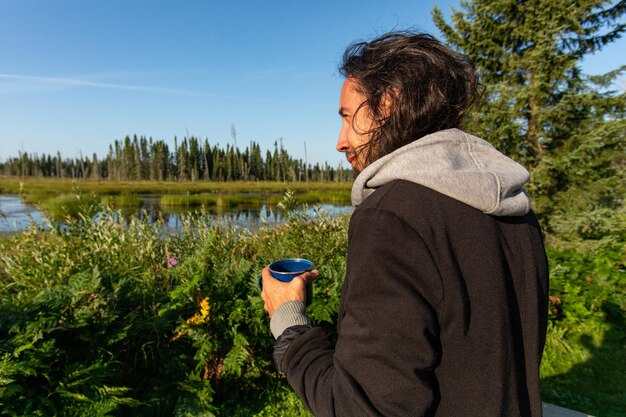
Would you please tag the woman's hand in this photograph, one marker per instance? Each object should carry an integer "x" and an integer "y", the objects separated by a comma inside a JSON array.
[{"x": 276, "y": 292}]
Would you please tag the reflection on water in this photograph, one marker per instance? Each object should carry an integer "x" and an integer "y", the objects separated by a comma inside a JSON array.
[{"x": 16, "y": 216}]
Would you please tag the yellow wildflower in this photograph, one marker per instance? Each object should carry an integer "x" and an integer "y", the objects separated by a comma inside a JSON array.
[{"x": 199, "y": 318}]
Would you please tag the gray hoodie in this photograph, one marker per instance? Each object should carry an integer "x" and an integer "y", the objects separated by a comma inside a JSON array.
[{"x": 456, "y": 164}]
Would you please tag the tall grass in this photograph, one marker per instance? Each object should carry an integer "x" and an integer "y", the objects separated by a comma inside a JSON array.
[
  {"x": 123, "y": 200},
  {"x": 70, "y": 205}
]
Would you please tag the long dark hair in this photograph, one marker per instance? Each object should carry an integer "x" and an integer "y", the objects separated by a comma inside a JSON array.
[{"x": 429, "y": 87}]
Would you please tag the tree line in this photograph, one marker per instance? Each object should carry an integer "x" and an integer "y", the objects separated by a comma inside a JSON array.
[{"x": 141, "y": 158}]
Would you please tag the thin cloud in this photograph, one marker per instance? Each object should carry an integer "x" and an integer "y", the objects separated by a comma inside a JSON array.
[
  {"x": 46, "y": 84},
  {"x": 71, "y": 82}
]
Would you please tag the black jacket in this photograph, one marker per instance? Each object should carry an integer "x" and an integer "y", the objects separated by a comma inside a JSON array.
[{"x": 443, "y": 313}]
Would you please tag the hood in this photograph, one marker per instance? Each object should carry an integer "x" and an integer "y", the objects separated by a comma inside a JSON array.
[{"x": 456, "y": 164}]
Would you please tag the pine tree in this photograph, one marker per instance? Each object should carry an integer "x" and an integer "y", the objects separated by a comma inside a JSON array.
[
  {"x": 145, "y": 158},
  {"x": 207, "y": 158},
  {"x": 194, "y": 160},
  {"x": 218, "y": 169},
  {"x": 59, "y": 165},
  {"x": 182, "y": 158},
  {"x": 540, "y": 108},
  {"x": 95, "y": 170},
  {"x": 229, "y": 162},
  {"x": 137, "y": 166}
]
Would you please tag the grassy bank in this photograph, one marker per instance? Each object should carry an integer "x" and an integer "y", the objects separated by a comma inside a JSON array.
[
  {"x": 107, "y": 319},
  {"x": 48, "y": 186}
]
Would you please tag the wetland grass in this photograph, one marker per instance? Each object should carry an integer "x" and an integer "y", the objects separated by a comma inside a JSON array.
[
  {"x": 41, "y": 187},
  {"x": 253, "y": 199},
  {"x": 188, "y": 200},
  {"x": 124, "y": 200},
  {"x": 206, "y": 200},
  {"x": 70, "y": 205},
  {"x": 62, "y": 197}
]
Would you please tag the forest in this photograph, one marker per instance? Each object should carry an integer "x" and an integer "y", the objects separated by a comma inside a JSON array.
[{"x": 142, "y": 158}]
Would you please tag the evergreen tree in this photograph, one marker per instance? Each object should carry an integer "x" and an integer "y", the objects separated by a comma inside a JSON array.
[
  {"x": 95, "y": 171},
  {"x": 49, "y": 166},
  {"x": 207, "y": 158},
  {"x": 194, "y": 160},
  {"x": 140, "y": 159},
  {"x": 229, "y": 162},
  {"x": 256, "y": 162},
  {"x": 182, "y": 161},
  {"x": 144, "y": 158},
  {"x": 137, "y": 169},
  {"x": 540, "y": 108},
  {"x": 218, "y": 169}
]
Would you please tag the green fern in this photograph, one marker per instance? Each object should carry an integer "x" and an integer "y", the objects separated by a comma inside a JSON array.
[{"x": 238, "y": 355}]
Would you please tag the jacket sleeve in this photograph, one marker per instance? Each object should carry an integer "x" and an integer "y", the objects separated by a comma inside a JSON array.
[{"x": 388, "y": 339}]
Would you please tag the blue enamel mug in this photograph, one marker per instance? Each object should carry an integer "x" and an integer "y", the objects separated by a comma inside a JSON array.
[{"x": 287, "y": 269}]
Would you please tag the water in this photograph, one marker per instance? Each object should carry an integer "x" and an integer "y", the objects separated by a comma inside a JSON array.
[{"x": 17, "y": 216}]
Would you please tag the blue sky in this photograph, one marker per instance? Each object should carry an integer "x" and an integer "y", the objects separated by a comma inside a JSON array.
[{"x": 77, "y": 74}]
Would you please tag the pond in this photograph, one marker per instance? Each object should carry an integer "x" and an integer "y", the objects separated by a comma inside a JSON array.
[{"x": 17, "y": 216}]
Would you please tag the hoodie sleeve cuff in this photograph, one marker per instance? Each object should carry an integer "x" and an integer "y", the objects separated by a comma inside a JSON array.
[{"x": 291, "y": 313}]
